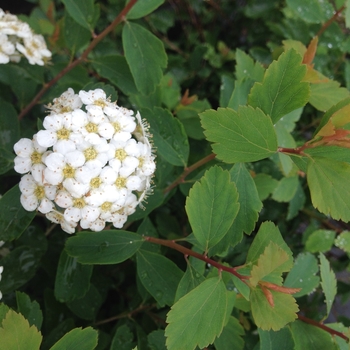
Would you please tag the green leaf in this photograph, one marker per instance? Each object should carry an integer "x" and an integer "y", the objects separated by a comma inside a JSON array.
[
  {"x": 231, "y": 336},
  {"x": 159, "y": 275},
  {"x": 240, "y": 93},
  {"x": 265, "y": 185},
  {"x": 87, "y": 306},
  {"x": 320, "y": 241},
  {"x": 336, "y": 153},
  {"x": 270, "y": 266},
  {"x": 116, "y": 70},
  {"x": 78, "y": 338},
  {"x": 123, "y": 338},
  {"x": 145, "y": 55},
  {"x": 312, "y": 11},
  {"x": 72, "y": 279},
  {"x": 282, "y": 90},
  {"x": 6, "y": 160},
  {"x": 14, "y": 219},
  {"x": 343, "y": 241},
  {"x": 347, "y": 14},
  {"x": 271, "y": 340},
  {"x": 9, "y": 126},
  {"x": 246, "y": 68},
  {"x": 267, "y": 317},
  {"x": 169, "y": 135},
  {"x": 267, "y": 233},
  {"x": 81, "y": 37},
  {"x": 328, "y": 282},
  {"x": 249, "y": 201},
  {"x": 286, "y": 189},
  {"x": 81, "y": 11},
  {"x": 198, "y": 317},
  {"x": 106, "y": 247},
  {"x": 244, "y": 136},
  {"x": 324, "y": 95},
  {"x": 143, "y": 8},
  {"x": 296, "y": 203},
  {"x": 212, "y": 206},
  {"x": 326, "y": 178},
  {"x": 190, "y": 280},
  {"x": 4, "y": 309},
  {"x": 29, "y": 309},
  {"x": 307, "y": 336},
  {"x": 15, "y": 333},
  {"x": 156, "y": 340},
  {"x": 303, "y": 275}
]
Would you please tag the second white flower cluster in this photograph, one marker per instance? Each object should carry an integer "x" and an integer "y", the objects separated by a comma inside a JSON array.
[
  {"x": 92, "y": 164},
  {"x": 16, "y": 38}
]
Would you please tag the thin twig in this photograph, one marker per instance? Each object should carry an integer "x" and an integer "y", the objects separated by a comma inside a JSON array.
[
  {"x": 80, "y": 59},
  {"x": 330, "y": 21}
]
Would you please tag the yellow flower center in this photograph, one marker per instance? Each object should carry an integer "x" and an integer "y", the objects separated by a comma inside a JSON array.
[
  {"x": 120, "y": 182},
  {"x": 90, "y": 153},
  {"x": 39, "y": 192},
  {"x": 106, "y": 206},
  {"x": 91, "y": 127},
  {"x": 79, "y": 203},
  {"x": 68, "y": 171},
  {"x": 100, "y": 102},
  {"x": 95, "y": 182},
  {"x": 63, "y": 134},
  {"x": 35, "y": 157},
  {"x": 116, "y": 126},
  {"x": 120, "y": 154}
]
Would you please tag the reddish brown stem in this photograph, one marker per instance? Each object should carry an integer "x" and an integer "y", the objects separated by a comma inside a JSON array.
[
  {"x": 189, "y": 252},
  {"x": 80, "y": 59},
  {"x": 330, "y": 21},
  {"x": 189, "y": 170},
  {"x": 298, "y": 150},
  {"x": 322, "y": 326}
]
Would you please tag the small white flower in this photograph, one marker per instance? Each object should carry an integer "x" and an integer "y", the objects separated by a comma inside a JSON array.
[
  {"x": 36, "y": 195},
  {"x": 1, "y": 270},
  {"x": 67, "y": 102},
  {"x": 58, "y": 218}
]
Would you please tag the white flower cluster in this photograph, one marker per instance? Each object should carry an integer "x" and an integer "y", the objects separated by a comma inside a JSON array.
[
  {"x": 16, "y": 38},
  {"x": 92, "y": 164}
]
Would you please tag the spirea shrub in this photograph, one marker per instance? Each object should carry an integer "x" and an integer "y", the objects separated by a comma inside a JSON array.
[
  {"x": 91, "y": 164},
  {"x": 17, "y": 38}
]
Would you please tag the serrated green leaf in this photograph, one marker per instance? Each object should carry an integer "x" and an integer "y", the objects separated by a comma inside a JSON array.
[
  {"x": 81, "y": 11},
  {"x": 190, "y": 280},
  {"x": 116, "y": 70},
  {"x": 270, "y": 266},
  {"x": 79, "y": 39},
  {"x": 14, "y": 219},
  {"x": 343, "y": 241},
  {"x": 265, "y": 185},
  {"x": 212, "y": 206},
  {"x": 328, "y": 282},
  {"x": 198, "y": 317},
  {"x": 29, "y": 309},
  {"x": 267, "y": 317},
  {"x": 3, "y": 311},
  {"x": 106, "y": 247},
  {"x": 143, "y": 8},
  {"x": 72, "y": 278},
  {"x": 271, "y": 340},
  {"x": 15, "y": 333},
  {"x": 307, "y": 336},
  {"x": 312, "y": 11},
  {"x": 231, "y": 336},
  {"x": 240, "y": 93},
  {"x": 267, "y": 233},
  {"x": 249, "y": 201},
  {"x": 282, "y": 89},
  {"x": 159, "y": 275},
  {"x": 337, "y": 153},
  {"x": 303, "y": 275},
  {"x": 246, "y": 68},
  {"x": 244, "y": 136},
  {"x": 324, "y": 95},
  {"x": 78, "y": 338},
  {"x": 285, "y": 189},
  {"x": 145, "y": 55},
  {"x": 326, "y": 178},
  {"x": 169, "y": 136},
  {"x": 320, "y": 241}
]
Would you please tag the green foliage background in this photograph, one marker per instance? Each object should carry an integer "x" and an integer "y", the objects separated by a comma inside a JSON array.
[{"x": 245, "y": 242}]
